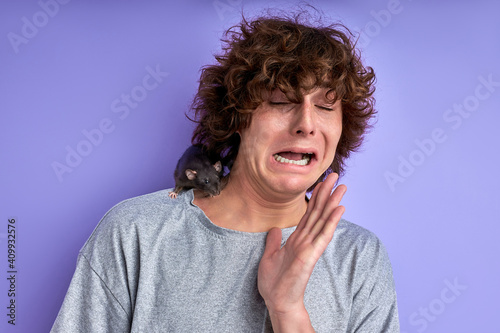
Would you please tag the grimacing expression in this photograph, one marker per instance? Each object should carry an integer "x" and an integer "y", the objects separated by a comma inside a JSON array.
[{"x": 288, "y": 146}]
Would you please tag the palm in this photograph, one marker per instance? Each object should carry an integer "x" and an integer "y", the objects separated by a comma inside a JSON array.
[{"x": 284, "y": 272}]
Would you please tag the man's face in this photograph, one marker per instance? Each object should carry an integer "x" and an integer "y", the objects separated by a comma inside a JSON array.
[{"x": 288, "y": 146}]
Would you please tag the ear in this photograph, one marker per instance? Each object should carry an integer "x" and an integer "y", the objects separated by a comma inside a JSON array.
[
  {"x": 190, "y": 174},
  {"x": 218, "y": 166}
]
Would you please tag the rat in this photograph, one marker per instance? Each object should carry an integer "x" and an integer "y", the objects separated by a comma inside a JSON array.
[{"x": 196, "y": 170}]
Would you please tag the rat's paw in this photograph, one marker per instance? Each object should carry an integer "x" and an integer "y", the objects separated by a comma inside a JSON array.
[{"x": 172, "y": 195}]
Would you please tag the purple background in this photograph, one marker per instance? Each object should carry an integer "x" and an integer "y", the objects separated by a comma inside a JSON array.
[{"x": 432, "y": 198}]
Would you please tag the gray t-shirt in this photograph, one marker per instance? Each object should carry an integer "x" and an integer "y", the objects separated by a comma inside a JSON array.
[{"x": 156, "y": 264}]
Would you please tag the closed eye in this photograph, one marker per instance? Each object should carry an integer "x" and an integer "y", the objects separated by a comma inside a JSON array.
[
  {"x": 283, "y": 106},
  {"x": 278, "y": 103},
  {"x": 324, "y": 108}
]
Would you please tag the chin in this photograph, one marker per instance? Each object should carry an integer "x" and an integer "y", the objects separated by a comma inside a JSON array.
[{"x": 288, "y": 186}]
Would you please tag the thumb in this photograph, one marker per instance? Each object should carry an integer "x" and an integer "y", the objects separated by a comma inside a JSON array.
[{"x": 273, "y": 242}]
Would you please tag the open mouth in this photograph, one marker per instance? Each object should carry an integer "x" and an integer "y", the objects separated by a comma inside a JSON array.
[{"x": 293, "y": 158}]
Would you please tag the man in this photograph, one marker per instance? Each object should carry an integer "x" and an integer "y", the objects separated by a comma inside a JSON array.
[{"x": 283, "y": 107}]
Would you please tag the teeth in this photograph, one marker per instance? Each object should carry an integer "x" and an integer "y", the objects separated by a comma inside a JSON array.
[{"x": 305, "y": 159}]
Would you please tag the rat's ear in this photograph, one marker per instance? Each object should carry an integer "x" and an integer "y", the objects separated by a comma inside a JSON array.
[
  {"x": 218, "y": 166},
  {"x": 190, "y": 174}
]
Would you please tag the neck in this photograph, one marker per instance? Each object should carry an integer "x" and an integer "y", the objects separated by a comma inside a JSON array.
[{"x": 244, "y": 208}]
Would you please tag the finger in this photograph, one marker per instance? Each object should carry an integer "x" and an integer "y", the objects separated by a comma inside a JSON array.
[
  {"x": 332, "y": 202},
  {"x": 331, "y": 205},
  {"x": 273, "y": 242},
  {"x": 310, "y": 207},
  {"x": 320, "y": 202},
  {"x": 326, "y": 235},
  {"x": 317, "y": 207}
]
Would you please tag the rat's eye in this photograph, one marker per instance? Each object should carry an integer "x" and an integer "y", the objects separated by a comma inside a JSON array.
[{"x": 206, "y": 181}]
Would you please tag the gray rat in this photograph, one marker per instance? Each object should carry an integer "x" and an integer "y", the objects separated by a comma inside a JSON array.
[{"x": 196, "y": 170}]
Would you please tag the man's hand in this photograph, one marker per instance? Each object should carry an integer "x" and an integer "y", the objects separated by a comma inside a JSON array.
[{"x": 284, "y": 272}]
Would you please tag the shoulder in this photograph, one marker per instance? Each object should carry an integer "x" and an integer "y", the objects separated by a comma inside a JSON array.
[
  {"x": 352, "y": 235},
  {"x": 360, "y": 247},
  {"x": 138, "y": 218},
  {"x": 147, "y": 204}
]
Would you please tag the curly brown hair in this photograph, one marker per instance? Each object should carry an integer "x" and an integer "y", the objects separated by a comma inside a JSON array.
[{"x": 270, "y": 53}]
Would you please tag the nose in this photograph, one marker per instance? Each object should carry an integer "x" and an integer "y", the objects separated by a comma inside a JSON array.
[{"x": 304, "y": 122}]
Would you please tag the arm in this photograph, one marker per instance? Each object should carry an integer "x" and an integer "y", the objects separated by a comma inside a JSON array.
[
  {"x": 374, "y": 306},
  {"x": 99, "y": 298},
  {"x": 284, "y": 272},
  {"x": 89, "y": 305}
]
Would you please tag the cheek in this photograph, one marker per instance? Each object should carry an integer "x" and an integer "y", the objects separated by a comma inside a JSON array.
[
  {"x": 333, "y": 130},
  {"x": 336, "y": 140},
  {"x": 253, "y": 141},
  {"x": 262, "y": 129}
]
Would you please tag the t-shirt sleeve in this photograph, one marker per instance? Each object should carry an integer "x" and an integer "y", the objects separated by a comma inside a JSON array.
[
  {"x": 101, "y": 293},
  {"x": 89, "y": 305},
  {"x": 374, "y": 307}
]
